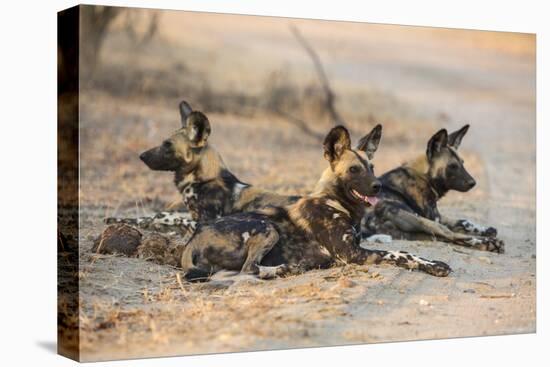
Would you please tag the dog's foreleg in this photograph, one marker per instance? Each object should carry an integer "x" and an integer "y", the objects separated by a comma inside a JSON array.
[
  {"x": 402, "y": 259},
  {"x": 409, "y": 222},
  {"x": 409, "y": 261},
  {"x": 468, "y": 227},
  {"x": 343, "y": 247}
]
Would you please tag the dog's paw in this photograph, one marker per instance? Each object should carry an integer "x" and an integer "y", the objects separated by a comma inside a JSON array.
[
  {"x": 436, "y": 268},
  {"x": 491, "y": 244},
  {"x": 490, "y": 232},
  {"x": 468, "y": 227},
  {"x": 495, "y": 245}
]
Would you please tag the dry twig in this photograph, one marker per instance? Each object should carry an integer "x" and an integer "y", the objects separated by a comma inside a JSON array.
[
  {"x": 322, "y": 75},
  {"x": 329, "y": 96}
]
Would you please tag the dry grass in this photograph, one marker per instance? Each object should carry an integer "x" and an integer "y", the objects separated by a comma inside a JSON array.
[{"x": 236, "y": 314}]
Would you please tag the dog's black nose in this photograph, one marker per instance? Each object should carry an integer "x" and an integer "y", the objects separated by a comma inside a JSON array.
[
  {"x": 376, "y": 186},
  {"x": 142, "y": 156},
  {"x": 471, "y": 183}
]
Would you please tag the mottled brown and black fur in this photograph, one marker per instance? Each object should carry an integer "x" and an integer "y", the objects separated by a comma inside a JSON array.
[
  {"x": 408, "y": 200},
  {"x": 315, "y": 232},
  {"x": 209, "y": 190}
]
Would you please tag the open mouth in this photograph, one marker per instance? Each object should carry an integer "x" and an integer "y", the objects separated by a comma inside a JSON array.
[{"x": 371, "y": 201}]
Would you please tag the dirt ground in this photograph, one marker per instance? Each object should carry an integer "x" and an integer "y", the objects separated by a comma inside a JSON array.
[{"x": 413, "y": 81}]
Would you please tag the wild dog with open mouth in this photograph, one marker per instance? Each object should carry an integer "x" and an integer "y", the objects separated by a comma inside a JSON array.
[
  {"x": 209, "y": 190},
  {"x": 409, "y": 195},
  {"x": 315, "y": 232}
]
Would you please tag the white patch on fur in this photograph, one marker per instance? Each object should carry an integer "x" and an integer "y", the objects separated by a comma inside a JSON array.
[
  {"x": 472, "y": 227},
  {"x": 336, "y": 205},
  {"x": 346, "y": 236},
  {"x": 324, "y": 250},
  {"x": 335, "y": 216},
  {"x": 189, "y": 223},
  {"x": 171, "y": 218},
  {"x": 237, "y": 190},
  {"x": 193, "y": 133},
  {"x": 246, "y": 236}
]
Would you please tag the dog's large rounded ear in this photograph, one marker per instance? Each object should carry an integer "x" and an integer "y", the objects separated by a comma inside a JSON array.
[
  {"x": 436, "y": 143},
  {"x": 336, "y": 142},
  {"x": 369, "y": 143},
  {"x": 456, "y": 138},
  {"x": 185, "y": 111},
  {"x": 197, "y": 129}
]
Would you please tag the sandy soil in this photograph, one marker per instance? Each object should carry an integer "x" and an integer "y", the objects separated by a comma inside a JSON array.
[{"x": 133, "y": 308}]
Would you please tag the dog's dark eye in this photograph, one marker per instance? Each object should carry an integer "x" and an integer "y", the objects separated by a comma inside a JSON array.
[
  {"x": 167, "y": 144},
  {"x": 354, "y": 169},
  {"x": 453, "y": 166}
]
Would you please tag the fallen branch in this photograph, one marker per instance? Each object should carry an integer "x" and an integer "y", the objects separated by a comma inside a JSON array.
[{"x": 498, "y": 295}]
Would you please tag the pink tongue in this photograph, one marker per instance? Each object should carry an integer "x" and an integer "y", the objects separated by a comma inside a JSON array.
[{"x": 372, "y": 200}]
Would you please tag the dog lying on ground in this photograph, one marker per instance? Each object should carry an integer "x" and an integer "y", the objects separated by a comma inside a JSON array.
[
  {"x": 408, "y": 200},
  {"x": 314, "y": 232},
  {"x": 209, "y": 190}
]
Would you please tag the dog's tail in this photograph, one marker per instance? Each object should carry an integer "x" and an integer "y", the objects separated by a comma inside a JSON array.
[
  {"x": 182, "y": 222},
  {"x": 129, "y": 221}
]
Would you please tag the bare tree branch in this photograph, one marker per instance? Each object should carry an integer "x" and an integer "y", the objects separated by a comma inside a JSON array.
[
  {"x": 152, "y": 29},
  {"x": 299, "y": 123},
  {"x": 95, "y": 21},
  {"x": 132, "y": 18},
  {"x": 321, "y": 74},
  {"x": 329, "y": 96}
]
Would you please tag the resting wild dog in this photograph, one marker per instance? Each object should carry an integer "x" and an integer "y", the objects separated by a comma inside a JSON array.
[
  {"x": 315, "y": 232},
  {"x": 409, "y": 195},
  {"x": 209, "y": 190}
]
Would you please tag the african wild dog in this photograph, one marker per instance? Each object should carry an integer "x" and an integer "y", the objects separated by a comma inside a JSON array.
[
  {"x": 315, "y": 232},
  {"x": 209, "y": 190},
  {"x": 409, "y": 195}
]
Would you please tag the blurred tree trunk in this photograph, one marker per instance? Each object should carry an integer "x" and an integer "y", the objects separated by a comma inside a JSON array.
[
  {"x": 95, "y": 21},
  {"x": 148, "y": 17}
]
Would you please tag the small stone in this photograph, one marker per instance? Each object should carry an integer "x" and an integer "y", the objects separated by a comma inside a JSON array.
[
  {"x": 423, "y": 302},
  {"x": 345, "y": 282},
  {"x": 485, "y": 260}
]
